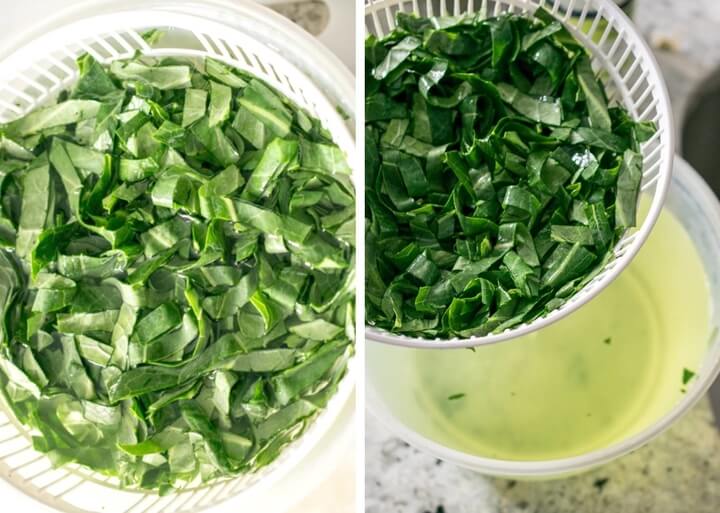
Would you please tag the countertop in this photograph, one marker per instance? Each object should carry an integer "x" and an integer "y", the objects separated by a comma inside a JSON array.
[{"x": 679, "y": 472}]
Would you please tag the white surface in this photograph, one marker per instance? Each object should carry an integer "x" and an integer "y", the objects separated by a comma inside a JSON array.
[
  {"x": 337, "y": 443},
  {"x": 632, "y": 79}
]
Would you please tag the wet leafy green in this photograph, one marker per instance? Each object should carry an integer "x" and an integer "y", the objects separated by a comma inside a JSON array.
[
  {"x": 176, "y": 271},
  {"x": 498, "y": 176}
]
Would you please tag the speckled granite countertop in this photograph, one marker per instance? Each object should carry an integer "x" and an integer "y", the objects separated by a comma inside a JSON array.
[{"x": 679, "y": 472}]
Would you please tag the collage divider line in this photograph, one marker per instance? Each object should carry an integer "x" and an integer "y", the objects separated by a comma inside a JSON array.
[{"x": 360, "y": 253}]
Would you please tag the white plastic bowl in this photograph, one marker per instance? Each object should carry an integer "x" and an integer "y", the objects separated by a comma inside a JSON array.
[{"x": 695, "y": 205}]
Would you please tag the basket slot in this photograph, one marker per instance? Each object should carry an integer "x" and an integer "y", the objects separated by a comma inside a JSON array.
[
  {"x": 33, "y": 84},
  {"x": 239, "y": 56},
  {"x": 72, "y": 55},
  {"x": 654, "y": 137},
  {"x": 206, "y": 44},
  {"x": 127, "y": 47},
  {"x": 223, "y": 491},
  {"x": 583, "y": 17},
  {"x": 620, "y": 253},
  {"x": 274, "y": 73},
  {"x": 260, "y": 66},
  {"x": 497, "y": 9},
  {"x": 139, "y": 41},
  {"x": 649, "y": 109},
  {"x": 112, "y": 52},
  {"x": 651, "y": 171},
  {"x": 18, "y": 451},
  {"x": 46, "y": 480},
  {"x": 626, "y": 241},
  {"x": 414, "y": 6},
  {"x": 613, "y": 95},
  {"x": 10, "y": 437},
  {"x": 237, "y": 485},
  {"x": 600, "y": 16},
  {"x": 144, "y": 504},
  {"x": 67, "y": 71},
  {"x": 430, "y": 11},
  {"x": 641, "y": 81},
  {"x": 484, "y": 8},
  {"x": 21, "y": 95},
  {"x": 376, "y": 27},
  {"x": 627, "y": 77},
  {"x": 173, "y": 503},
  {"x": 606, "y": 35},
  {"x": 46, "y": 468},
  {"x": 11, "y": 107},
  {"x": 625, "y": 56},
  {"x": 92, "y": 51},
  {"x": 644, "y": 98},
  {"x": 195, "y": 497},
  {"x": 52, "y": 80},
  {"x": 569, "y": 10},
  {"x": 160, "y": 505},
  {"x": 288, "y": 83},
  {"x": 222, "y": 47},
  {"x": 210, "y": 497},
  {"x": 609, "y": 267},
  {"x": 654, "y": 152},
  {"x": 32, "y": 458},
  {"x": 389, "y": 19},
  {"x": 456, "y": 8},
  {"x": 650, "y": 183},
  {"x": 619, "y": 40},
  {"x": 65, "y": 485}
]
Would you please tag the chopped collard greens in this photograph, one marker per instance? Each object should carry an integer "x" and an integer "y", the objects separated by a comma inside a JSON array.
[
  {"x": 177, "y": 271},
  {"x": 498, "y": 177}
]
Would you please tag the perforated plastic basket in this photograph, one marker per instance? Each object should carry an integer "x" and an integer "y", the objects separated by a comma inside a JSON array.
[
  {"x": 631, "y": 78},
  {"x": 35, "y": 73}
]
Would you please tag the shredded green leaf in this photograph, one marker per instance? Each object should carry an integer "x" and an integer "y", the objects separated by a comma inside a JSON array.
[
  {"x": 687, "y": 376},
  {"x": 176, "y": 269},
  {"x": 499, "y": 178}
]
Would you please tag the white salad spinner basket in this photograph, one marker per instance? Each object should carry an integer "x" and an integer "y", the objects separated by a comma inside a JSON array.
[
  {"x": 249, "y": 37},
  {"x": 631, "y": 78}
]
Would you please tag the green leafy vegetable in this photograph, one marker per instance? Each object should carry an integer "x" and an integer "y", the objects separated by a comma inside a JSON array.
[
  {"x": 176, "y": 271},
  {"x": 687, "y": 376},
  {"x": 498, "y": 177}
]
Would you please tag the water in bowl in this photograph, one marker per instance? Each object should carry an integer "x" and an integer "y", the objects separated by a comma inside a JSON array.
[{"x": 602, "y": 374}]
